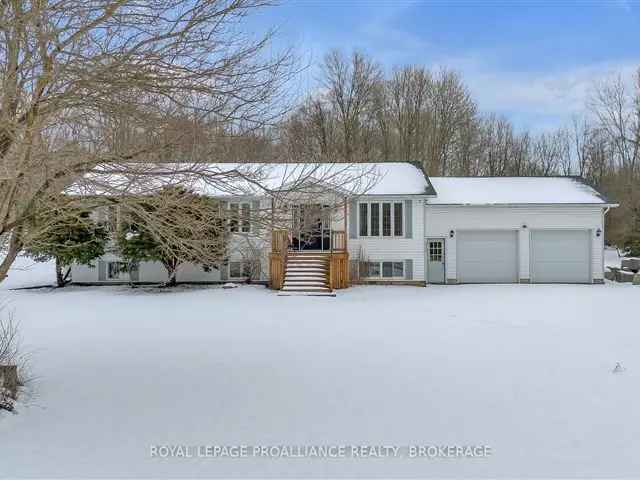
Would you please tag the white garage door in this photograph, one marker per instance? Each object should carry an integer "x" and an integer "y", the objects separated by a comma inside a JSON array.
[
  {"x": 487, "y": 256},
  {"x": 560, "y": 256}
]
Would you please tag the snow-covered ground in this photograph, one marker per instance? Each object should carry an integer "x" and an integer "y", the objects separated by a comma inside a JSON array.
[
  {"x": 524, "y": 369},
  {"x": 611, "y": 257}
]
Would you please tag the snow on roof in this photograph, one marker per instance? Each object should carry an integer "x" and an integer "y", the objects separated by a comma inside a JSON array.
[
  {"x": 513, "y": 190},
  {"x": 223, "y": 179},
  {"x": 400, "y": 178}
]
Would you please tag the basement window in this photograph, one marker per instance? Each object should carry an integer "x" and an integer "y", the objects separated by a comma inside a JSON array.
[
  {"x": 240, "y": 269},
  {"x": 116, "y": 269},
  {"x": 387, "y": 270}
]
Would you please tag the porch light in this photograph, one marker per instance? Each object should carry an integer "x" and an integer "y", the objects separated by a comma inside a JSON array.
[
  {"x": 524, "y": 225},
  {"x": 451, "y": 234},
  {"x": 598, "y": 232}
]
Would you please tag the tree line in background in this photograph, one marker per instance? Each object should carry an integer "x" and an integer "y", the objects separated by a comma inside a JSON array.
[
  {"x": 91, "y": 91},
  {"x": 430, "y": 117}
]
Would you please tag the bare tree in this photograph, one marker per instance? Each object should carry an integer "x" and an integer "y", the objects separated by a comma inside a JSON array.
[
  {"x": 452, "y": 108},
  {"x": 90, "y": 83},
  {"x": 618, "y": 114},
  {"x": 350, "y": 88},
  {"x": 408, "y": 92}
]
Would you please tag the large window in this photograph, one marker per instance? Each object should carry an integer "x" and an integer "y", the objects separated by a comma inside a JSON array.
[
  {"x": 397, "y": 219},
  {"x": 384, "y": 219},
  {"x": 246, "y": 215},
  {"x": 364, "y": 220},
  {"x": 375, "y": 219},
  {"x": 240, "y": 217},
  {"x": 388, "y": 270}
]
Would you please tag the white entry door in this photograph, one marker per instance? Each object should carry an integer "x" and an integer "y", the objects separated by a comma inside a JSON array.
[
  {"x": 435, "y": 260},
  {"x": 487, "y": 256},
  {"x": 560, "y": 256}
]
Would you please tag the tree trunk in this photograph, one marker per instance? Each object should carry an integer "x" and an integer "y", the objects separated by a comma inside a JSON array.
[
  {"x": 60, "y": 277},
  {"x": 15, "y": 245},
  {"x": 172, "y": 278},
  {"x": 172, "y": 270}
]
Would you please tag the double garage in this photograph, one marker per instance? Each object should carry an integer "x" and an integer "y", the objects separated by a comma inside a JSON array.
[
  {"x": 494, "y": 256},
  {"x": 517, "y": 229}
]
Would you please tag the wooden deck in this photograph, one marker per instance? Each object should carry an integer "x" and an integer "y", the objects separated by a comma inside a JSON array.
[{"x": 338, "y": 275}]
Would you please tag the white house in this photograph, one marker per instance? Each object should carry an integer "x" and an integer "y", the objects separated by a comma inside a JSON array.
[{"x": 405, "y": 228}]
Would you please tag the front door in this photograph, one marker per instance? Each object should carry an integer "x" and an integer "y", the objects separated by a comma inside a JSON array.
[
  {"x": 435, "y": 260},
  {"x": 311, "y": 227}
]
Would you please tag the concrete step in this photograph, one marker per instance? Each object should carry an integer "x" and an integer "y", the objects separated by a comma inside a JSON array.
[
  {"x": 305, "y": 289},
  {"x": 305, "y": 286},
  {"x": 307, "y": 264},
  {"x": 305, "y": 277},
  {"x": 305, "y": 270},
  {"x": 306, "y": 294},
  {"x": 310, "y": 281}
]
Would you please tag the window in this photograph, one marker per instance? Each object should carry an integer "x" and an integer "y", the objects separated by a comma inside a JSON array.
[
  {"x": 435, "y": 251},
  {"x": 375, "y": 219},
  {"x": 364, "y": 227},
  {"x": 387, "y": 269},
  {"x": 240, "y": 217},
  {"x": 115, "y": 269},
  {"x": 241, "y": 269},
  {"x": 374, "y": 269},
  {"x": 235, "y": 269},
  {"x": 386, "y": 219},
  {"x": 233, "y": 217},
  {"x": 382, "y": 270},
  {"x": 397, "y": 219},
  {"x": 246, "y": 214},
  {"x": 398, "y": 269},
  {"x": 388, "y": 223}
]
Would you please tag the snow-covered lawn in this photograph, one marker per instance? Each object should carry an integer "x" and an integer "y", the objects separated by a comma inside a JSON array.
[{"x": 524, "y": 369}]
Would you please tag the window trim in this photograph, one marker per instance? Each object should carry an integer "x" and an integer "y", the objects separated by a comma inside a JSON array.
[{"x": 380, "y": 209}]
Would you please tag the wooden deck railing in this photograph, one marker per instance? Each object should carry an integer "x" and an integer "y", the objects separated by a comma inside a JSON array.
[
  {"x": 338, "y": 241},
  {"x": 338, "y": 259},
  {"x": 278, "y": 258},
  {"x": 339, "y": 270}
]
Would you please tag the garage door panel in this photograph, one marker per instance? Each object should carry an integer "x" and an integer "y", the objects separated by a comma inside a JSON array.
[
  {"x": 560, "y": 256},
  {"x": 487, "y": 256}
]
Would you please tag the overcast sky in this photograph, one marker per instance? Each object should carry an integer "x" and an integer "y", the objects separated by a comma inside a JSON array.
[{"x": 531, "y": 61}]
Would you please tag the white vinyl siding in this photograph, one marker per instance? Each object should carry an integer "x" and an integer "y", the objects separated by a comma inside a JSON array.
[
  {"x": 393, "y": 249},
  {"x": 440, "y": 220}
]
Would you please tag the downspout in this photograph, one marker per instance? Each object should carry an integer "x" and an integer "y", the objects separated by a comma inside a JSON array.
[{"x": 604, "y": 212}]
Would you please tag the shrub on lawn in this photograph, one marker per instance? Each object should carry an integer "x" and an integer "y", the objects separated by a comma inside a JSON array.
[{"x": 13, "y": 362}]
